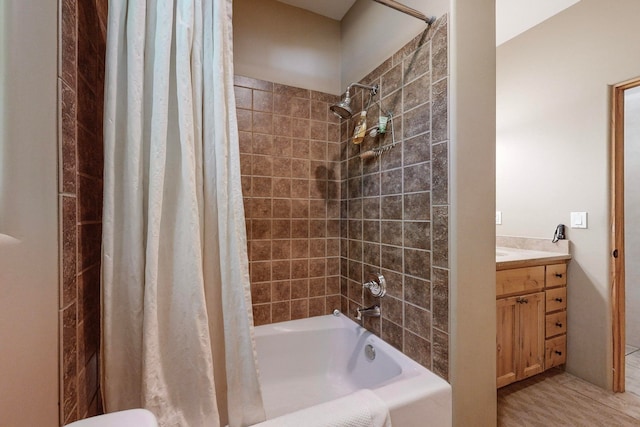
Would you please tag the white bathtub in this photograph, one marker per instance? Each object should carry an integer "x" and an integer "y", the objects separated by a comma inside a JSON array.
[{"x": 311, "y": 361}]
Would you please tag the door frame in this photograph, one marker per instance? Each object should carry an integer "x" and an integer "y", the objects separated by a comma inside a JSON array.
[{"x": 617, "y": 263}]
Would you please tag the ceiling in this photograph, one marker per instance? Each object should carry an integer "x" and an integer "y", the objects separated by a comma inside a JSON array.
[
  {"x": 513, "y": 17},
  {"x": 334, "y": 9}
]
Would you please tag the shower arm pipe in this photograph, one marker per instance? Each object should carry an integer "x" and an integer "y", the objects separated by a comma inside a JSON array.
[
  {"x": 373, "y": 89},
  {"x": 406, "y": 9}
]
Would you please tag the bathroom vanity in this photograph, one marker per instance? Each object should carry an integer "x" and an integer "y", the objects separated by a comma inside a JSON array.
[{"x": 531, "y": 302}]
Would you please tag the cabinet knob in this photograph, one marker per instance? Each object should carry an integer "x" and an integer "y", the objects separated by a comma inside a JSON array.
[
  {"x": 559, "y": 353},
  {"x": 522, "y": 300},
  {"x": 558, "y": 274},
  {"x": 559, "y": 299},
  {"x": 559, "y": 325}
]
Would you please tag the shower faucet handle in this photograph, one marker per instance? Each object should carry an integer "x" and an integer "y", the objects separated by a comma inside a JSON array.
[{"x": 377, "y": 285}]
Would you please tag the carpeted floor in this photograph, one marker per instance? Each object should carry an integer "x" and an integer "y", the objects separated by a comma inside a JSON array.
[{"x": 555, "y": 398}]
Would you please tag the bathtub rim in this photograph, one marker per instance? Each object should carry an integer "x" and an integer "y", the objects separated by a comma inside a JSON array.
[{"x": 409, "y": 389}]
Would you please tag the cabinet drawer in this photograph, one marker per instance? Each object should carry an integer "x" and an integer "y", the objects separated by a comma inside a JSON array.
[
  {"x": 556, "y": 299},
  {"x": 555, "y": 352},
  {"x": 556, "y": 275},
  {"x": 519, "y": 280},
  {"x": 556, "y": 324}
]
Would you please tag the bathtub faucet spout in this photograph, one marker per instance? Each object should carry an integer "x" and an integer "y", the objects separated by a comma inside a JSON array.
[{"x": 373, "y": 311}]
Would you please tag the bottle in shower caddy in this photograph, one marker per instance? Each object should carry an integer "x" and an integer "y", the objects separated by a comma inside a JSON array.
[{"x": 361, "y": 128}]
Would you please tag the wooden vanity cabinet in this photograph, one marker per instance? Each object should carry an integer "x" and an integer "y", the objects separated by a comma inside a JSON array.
[
  {"x": 521, "y": 337},
  {"x": 531, "y": 321}
]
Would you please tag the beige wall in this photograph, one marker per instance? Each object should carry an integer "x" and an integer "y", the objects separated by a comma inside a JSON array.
[
  {"x": 372, "y": 32},
  {"x": 473, "y": 293},
  {"x": 283, "y": 44},
  {"x": 552, "y": 152},
  {"x": 280, "y": 43},
  {"x": 28, "y": 213}
]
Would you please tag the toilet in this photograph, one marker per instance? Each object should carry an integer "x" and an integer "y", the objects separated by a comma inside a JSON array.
[{"x": 128, "y": 418}]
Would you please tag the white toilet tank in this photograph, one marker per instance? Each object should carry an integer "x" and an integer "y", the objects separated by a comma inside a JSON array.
[{"x": 129, "y": 418}]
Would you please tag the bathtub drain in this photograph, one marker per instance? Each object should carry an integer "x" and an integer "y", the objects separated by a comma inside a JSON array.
[{"x": 370, "y": 352}]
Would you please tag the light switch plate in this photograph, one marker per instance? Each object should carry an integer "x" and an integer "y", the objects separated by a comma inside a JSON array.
[
  {"x": 498, "y": 217},
  {"x": 578, "y": 220}
]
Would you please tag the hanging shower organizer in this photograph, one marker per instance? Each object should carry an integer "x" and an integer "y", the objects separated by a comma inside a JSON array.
[
  {"x": 343, "y": 109},
  {"x": 380, "y": 149}
]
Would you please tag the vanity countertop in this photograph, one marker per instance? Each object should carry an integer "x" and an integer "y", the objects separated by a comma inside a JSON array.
[
  {"x": 507, "y": 258},
  {"x": 518, "y": 252}
]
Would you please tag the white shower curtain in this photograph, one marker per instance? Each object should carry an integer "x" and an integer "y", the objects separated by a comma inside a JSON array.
[{"x": 177, "y": 333}]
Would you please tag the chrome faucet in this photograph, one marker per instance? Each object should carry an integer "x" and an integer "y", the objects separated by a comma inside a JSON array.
[
  {"x": 377, "y": 285},
  {"x": 373, "y": 311}
]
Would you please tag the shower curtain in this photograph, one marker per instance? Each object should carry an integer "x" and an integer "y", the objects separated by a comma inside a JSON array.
[{"x": 177, "y": 334}]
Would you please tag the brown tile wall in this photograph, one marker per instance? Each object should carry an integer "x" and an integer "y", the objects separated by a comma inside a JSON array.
[
  {"x": 395, "y": 208},
  {"x": 290, "y": 164},
  {"x": 80, "y": 82},
  {"x": 309, "y": 200}
]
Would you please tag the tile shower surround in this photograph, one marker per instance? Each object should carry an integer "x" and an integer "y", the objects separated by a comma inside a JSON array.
[
  {"x": 81, "y": 38},
  {"x": 395, "y": 208},
  {"x": 317, "y": 213},
  {"x": 290, "y": 165}
]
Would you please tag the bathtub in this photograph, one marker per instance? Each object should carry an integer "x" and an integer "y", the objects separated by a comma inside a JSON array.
[{"x": 312, "y": 361}]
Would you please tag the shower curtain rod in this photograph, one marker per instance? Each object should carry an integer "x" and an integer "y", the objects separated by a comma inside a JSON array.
[{"x": 406, "y": 9}]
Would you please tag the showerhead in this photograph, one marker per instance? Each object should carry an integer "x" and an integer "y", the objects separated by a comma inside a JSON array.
[{"x": 343, "y": 108}]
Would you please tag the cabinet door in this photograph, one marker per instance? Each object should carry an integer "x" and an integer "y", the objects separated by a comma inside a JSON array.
[
  {"x": 531, "y": 329},
  {"x": 506, "y": 340}
]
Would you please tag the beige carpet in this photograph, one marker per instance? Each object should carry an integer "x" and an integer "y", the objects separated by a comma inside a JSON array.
[{"x": 556, "y": 398}]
